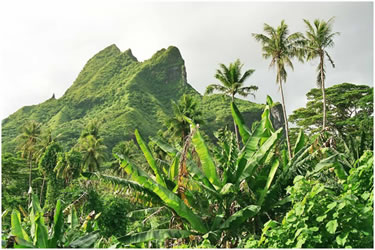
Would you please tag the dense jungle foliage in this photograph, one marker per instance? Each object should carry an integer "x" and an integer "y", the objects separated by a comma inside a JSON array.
[{"x": 133, "y": 157}]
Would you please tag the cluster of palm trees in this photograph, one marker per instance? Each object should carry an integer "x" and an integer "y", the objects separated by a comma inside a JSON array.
[
  {"x": 87, "y": 154},
  {"x": 281, "y": 47}
]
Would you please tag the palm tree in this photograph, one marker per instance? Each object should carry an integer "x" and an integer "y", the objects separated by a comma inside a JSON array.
[
  {"x": 232, "y": 81},
  {"x": 92, "y": 128},
  {"x": 281, "y": 48},
  {"x": 319, "y": 37},
  {"x": 93, "y": 152},
  {"x": 187, "y": 106},
  {"x": 29, "y": 139}
]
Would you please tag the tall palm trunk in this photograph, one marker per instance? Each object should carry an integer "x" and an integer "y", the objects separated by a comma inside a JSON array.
[
  {"x": 323, "y": 89},
  {"x": 30, "y": 170},
  {"x": 235, "y": 128},
  {"x": 285, "y": 119},
  {"x": 41, "y": 191}
]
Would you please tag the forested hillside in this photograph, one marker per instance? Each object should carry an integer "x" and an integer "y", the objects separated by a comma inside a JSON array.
[{"x": 124, "y": 94}]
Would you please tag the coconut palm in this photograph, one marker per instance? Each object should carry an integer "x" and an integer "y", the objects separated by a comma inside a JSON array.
[
  {"x": 319, "y": 36},
  {"x": 232, "y": 81},
  {"x": 92, "y": 128},
  {"x": 187, "y": 106},
  {"x": 29, "y": 139},
  {"x": 281, "y": 47},
  {"x": 93, "y": 152}
]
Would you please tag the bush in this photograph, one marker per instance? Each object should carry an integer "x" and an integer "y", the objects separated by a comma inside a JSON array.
[
  {"x": 322, "y": 218},
  {"x": 113, "y": 220}
]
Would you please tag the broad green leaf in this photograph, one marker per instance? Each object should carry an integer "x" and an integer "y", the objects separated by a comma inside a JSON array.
[
  {"x": 240, "y": 217},
  {"x": 85, "y": 241},
  {"x": 331, "y": 226},
  {"x": 208, "y": 165},
  {"x": 332, "y": 205},
  {"x": 169, "y": 198},
  {"x": 124, "y": 182},
  {"x": 171, "y": 151},
  {"x": 217, "y": 221},
  {"x": 35, "y": 204},
  {"x": 58, "y": 224},
  {"x": 159, "y": 235},
  {"x": 73, "y": 218},
  {"x": 227, "y": 189},
  {"x": 321, "y": 218},
  {"x": 269, "y": 101},
  {"x": 258, "y": 156},
  {"x": 173, "y": 170},
  {"x": 150, "y": 159},
  {"x": 271, "y": 175},
  {"x": 21, "y": 243},
  {"x": 41, "y": 232},
  {"x": 341, "y": 238},
  {"x": 244, "y": 131},
  {"x": 300, "y": 143},
  {"x": 17, "y": 229}
]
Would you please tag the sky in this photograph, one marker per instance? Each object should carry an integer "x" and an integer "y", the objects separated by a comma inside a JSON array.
[{"x": 45, "y": 44}]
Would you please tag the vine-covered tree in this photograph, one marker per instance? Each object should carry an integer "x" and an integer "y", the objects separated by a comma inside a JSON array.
[
  {"x": 68, "y": 165},
  {"x": 47, "y": 164}
]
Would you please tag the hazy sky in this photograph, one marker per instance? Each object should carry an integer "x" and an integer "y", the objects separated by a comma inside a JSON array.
[{"x": 45, "y": 44}]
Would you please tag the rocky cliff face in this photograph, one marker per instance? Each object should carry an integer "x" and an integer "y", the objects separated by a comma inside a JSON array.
[{"x": 124, "y": 94}]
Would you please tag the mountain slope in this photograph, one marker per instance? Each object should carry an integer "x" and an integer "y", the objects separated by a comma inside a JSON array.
[{"x": 124, "y": 94}]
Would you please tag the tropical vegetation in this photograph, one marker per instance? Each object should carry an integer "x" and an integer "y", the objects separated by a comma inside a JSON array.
[{"x": 133, "y": 157}]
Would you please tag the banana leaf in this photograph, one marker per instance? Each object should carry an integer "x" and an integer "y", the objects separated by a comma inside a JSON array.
[
  {"x": 85, "y": 241},
  {"x": 208, "y": 165},
  {"x": 17, "y": 229},
  {"x": 142, "y": 212},
  {"x": 58, "y": 224},
  {"x": 300, "y": 143},
  {"x": 169, "y": 198},
  {"x": 164, "y": 146},
  {"x": 41, "y": 232},
  {"x": 244, "y": 131},
  {"x": 123, "y": 182},
  {"x": 21, "y": 243},
  {"x": 271, "y": 175},
  {"x": 150, "y": 159},
  {"x": 159, "y": 234},
  {"x": 173, "y": 170},
  {"x": 258, "y": 156},
  {"x": 330, "y": 162},
  {"x": 240, "y": 217}
]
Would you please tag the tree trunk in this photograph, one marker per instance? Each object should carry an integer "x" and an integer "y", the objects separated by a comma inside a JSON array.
[
  {"x": 41, "y": 191},
  {"x": 323, "y": 90},
  {"x": 285, "y": 119},
  {"x": 31, "y": 166},
  {"x": 235, "y": 129}
]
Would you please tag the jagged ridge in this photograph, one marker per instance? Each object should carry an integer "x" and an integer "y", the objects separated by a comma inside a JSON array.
[{"x": 125, "y": 94}]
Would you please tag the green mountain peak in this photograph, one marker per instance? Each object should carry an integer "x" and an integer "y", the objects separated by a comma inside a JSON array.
[{"x": 124, "y": 94}]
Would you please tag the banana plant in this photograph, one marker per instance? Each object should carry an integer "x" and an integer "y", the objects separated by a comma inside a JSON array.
[
  {"x": 42, "y": 236},
  {"x": 230, "y": 203}
]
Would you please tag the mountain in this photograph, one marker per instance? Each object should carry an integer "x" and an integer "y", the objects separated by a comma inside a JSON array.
[{"x": 125, "y": 94}]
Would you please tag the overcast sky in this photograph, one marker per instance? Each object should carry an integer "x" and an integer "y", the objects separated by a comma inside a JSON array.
[{"x": 45, "y": 44}]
